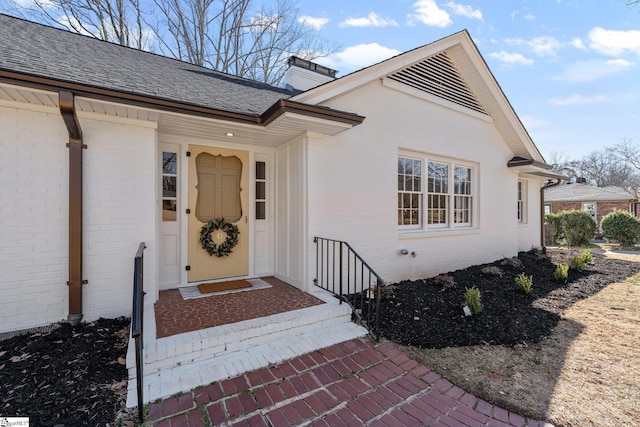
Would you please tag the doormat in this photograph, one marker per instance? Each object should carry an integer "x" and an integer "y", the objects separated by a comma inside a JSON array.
[
  {"x": 192, "y": 292},
  {"x": 207, "y": 288}
]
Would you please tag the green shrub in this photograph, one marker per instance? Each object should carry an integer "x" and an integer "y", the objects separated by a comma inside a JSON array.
[
  {"x": 577, "y": 227},
  {"x": 621, "y": 226},
  {"x": 512, "y": 262},
  {"x": 552, "y": 218},
  {"x": 587, "y": 256},
  {"x": 577, "y": 263},
  {"x": 492, "y": 270},
  {"x": 472, "y": 300},
  {"x": 444, "y": 281},
  {"x": 524, "y": 283},
  {"x": 561, "y": 273}
]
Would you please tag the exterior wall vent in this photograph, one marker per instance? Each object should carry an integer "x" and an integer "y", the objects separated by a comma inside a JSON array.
[
  {"x": 304, "y": 75},
  {"x": 439, "y": 76}
]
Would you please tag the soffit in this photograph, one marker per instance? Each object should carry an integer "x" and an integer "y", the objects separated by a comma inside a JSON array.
[{"x": 284, "y": 128}]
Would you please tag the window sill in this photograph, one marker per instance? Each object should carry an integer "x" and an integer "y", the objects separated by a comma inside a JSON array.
[{"x": 420, "y": 234}]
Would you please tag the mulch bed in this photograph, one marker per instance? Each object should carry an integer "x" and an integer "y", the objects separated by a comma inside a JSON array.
[
  {"x": 71, "y": 376},
  {"x": 74, "y": 376},
  {"x": 423, "y": 314}
]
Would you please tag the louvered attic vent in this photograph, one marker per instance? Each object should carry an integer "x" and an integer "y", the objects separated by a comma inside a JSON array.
[{"x": 439, "y": 76}]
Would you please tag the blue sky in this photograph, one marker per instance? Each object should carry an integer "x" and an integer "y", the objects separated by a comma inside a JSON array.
[{"x": 570, "y": 68}]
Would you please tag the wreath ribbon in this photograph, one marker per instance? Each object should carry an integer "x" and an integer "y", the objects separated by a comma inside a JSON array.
[{"x": 224, "y": 248}]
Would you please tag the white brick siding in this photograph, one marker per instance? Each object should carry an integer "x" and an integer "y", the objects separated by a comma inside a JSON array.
[
  {"x": 353, "y": 185},
  {"x": 119, "y": 212}
]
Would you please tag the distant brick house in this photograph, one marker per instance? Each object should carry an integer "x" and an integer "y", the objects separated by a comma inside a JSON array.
[{"x": 598, "y": 201}]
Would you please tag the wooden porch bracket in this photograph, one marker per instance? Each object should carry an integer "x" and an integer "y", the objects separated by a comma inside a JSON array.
[{"x": 75, "y": 145}]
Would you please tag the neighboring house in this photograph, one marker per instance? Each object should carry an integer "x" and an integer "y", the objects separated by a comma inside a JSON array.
[
  {"x": 102, "y": 147},
  {"x": 598, "y": 201}
]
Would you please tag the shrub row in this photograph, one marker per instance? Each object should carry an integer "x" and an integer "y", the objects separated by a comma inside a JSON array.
[{"x": 579, "y": 227}]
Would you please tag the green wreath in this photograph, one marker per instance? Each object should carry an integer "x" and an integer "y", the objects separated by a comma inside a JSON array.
[{"x": 224, "y": 248}]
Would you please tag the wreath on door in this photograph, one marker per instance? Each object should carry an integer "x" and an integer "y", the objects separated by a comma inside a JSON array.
[{"x": 224, "y": 248}]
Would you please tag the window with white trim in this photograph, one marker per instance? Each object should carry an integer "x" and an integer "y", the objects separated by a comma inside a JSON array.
[
  {"x": 521, "y": 201},
  {"x": 443, "y": 198}
]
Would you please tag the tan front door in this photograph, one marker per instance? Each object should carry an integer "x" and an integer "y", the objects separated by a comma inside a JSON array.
[{"x": 218, "y": 188}]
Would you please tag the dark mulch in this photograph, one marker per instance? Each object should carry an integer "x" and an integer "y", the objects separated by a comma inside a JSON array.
[
  {"x": 71, "y": 376},
  {"x": 423, "y": 314}
]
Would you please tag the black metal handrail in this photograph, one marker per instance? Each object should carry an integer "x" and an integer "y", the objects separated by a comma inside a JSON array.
[
  {"x": 137, "y": 318},
  {"x": 337, "y": 264}
]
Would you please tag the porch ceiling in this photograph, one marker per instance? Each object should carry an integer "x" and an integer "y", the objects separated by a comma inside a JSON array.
[{"x": 282, "y": 129}]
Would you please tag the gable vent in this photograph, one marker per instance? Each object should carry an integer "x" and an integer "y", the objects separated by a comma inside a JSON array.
[{"x": 439, "y": 76}]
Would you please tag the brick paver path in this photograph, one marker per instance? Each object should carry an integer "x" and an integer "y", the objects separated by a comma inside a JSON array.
[{"x": 353, "y": 383}]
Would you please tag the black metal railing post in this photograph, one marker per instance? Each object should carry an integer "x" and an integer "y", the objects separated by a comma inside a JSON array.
[
  {"x": 364, "y": 301},
  {"x": 137, "y": 321}
]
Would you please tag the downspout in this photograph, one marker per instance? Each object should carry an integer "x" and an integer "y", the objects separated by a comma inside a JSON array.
[
  {"x": 75, "y": 145},
  {"x": 542, "y": 208}
]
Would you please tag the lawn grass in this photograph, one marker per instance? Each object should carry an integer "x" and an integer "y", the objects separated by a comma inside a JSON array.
[{"x": 586, "y": 373}]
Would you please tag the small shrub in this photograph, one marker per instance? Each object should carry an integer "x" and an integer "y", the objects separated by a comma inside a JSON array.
[
  {"x": 621, "y": 226},
  {"x": 445, "y": 281},
  {"x": 492, "y": 270},
  {"x": 587, "y": 256},
  {"x": 524, "y": 283},
  {"x": 512, "y": 262},
  {"x": 561, "y": 273},
  {"x": 472, "y": 300},
  {"x": 577, "y": 263},
  {"x": 387, "y": 291},
  {"x": 577, "y": 227}
]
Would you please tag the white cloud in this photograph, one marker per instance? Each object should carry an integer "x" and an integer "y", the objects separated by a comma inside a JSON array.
[
  {"x": 464, "y": 10},
  {"x": 576, "y": 99},
  {"x": 514, "y": 14},
  {"x": 359, "y": 56},
  {"x": 313, "y": 22},
  {"x": 578, "y": 43},
  {"x": 511, "y": 58},
  {"x": 373, "y": 20},
  {"x": 615, "y": 43},
  {"x": 529, "y": 16},
  {"x": 27, "y": 4},
  {"x": 545, "y": 46},
  {"x": 587, "y": 71},
  {"x": 428, "y": 13}
]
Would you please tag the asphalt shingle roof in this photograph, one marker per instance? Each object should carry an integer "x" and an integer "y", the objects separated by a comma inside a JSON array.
[
  {"x": 585, "y": 193},
  {"x": 43, "y": 51}
]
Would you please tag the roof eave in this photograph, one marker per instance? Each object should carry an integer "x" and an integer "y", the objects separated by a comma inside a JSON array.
[{"x": 96, "y": 92}]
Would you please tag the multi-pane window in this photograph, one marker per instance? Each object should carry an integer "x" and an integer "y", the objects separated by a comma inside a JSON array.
[
  {"x": 409, "y": 191},
  {"x": 437, "y": 194},
  {"x": 520, "y": 201},
  {"x": 442, "y": 197},
  {"x": 261, "y": 190},
  {"x": 462, "y": 195},
  {"x": 169, "y": 185}
]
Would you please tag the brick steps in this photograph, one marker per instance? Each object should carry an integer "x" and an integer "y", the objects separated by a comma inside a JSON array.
[
  {"x": 181, "y": 362},
  {"x": 351, "y": 383}
]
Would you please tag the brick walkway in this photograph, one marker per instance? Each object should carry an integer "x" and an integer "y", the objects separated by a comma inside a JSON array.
[{"x": 353, "y": 383}]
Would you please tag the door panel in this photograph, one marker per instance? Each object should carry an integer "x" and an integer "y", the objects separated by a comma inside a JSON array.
[{"x": 218, "y": 188}]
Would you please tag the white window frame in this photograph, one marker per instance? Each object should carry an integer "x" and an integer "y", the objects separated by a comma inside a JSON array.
[
  {"x": 593, "y": 212},
  {"x": 452, "y": 214},
  {"x": 522, "y": 201}
]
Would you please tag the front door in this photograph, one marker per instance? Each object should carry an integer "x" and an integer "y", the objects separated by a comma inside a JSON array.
[{"x": 218, "y": 203}]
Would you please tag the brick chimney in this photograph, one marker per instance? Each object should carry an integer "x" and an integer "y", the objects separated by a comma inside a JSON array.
[{"x": 304, "y": 75}]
